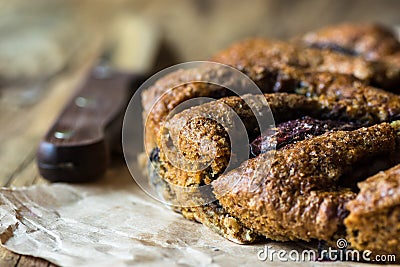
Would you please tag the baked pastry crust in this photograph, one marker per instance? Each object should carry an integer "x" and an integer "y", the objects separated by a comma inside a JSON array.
[
  {"x": 262, "y": 60},
  {"x": 306, "y": 192},
  {"x": 301, "y": 199},
  {"x": 373, "y": 222},
  {"x": 371, "y": 41}
]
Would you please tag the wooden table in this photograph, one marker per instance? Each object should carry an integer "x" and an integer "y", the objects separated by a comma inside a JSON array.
[{"x": 22, "y": 127}]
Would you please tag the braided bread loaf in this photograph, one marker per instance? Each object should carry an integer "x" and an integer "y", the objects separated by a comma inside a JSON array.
[{"x": 345, "y": 80}]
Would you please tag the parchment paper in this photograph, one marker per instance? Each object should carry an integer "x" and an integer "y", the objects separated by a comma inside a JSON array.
[{"x": 114, "y": 223}]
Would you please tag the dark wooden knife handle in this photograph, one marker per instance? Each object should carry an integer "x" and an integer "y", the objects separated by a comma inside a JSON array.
[{"x": 77, "y": 146}]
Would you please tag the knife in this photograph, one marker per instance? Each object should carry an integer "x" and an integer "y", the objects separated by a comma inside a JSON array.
[{"x": 77, "y": 147}]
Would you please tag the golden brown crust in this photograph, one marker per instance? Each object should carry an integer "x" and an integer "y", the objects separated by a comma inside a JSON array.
[
  {"x": 188, "y": 128},
  {"x": 173, "y": 89},
  {"x": 372, "y": 41},
  {"x": 356, "y": 103},
  {"x": 283, "y": 105},
  {"x": 374, "y": 219},
  {"x": 192, "y": 127},
  {"x": 214, "y": 216},
  {"x": 301, "y": 195},
  {"x": 211, "y": 214},
  {"x": 370, "y": 199},
  {"x": 262, "y": 60},
  {"x": 347, "y": 96},
  {"x": 255, "y": 57},
  {"x": 351, "y": 98},
  {"x": 274, "y": 66},
  {"x": 297, "y": 196}
]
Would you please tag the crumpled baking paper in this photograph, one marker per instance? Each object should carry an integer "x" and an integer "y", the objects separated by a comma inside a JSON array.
[{"x": 114, "y": 223}]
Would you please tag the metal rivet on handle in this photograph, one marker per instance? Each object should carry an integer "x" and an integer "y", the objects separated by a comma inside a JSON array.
[
  {"x": 82, "y": 102},
  {"x": 63, "y": 135}
]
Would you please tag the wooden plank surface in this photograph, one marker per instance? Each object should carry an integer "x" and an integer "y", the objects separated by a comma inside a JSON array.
[
  {"x": 22, "y": 127},
  {"x": 23, "y": 124}
]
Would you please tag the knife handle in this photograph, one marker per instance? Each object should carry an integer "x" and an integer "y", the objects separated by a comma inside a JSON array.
[{"x": 77, "y": 147}]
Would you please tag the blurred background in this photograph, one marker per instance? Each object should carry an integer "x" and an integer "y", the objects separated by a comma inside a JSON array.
[
  {"x": 47, "y": 48},
  {"x": 40, "y": 38}
]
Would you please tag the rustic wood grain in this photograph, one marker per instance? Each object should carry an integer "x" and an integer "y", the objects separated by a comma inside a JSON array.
[
  {"x": 40, "y": 180},
  {"x": 8, "y": 258},
  {"x": 198, "y": 28},
  {"x": 26, "y": 176},
  {"x": 22, "y": 126},
  {"x": 27, "y": 261}
]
